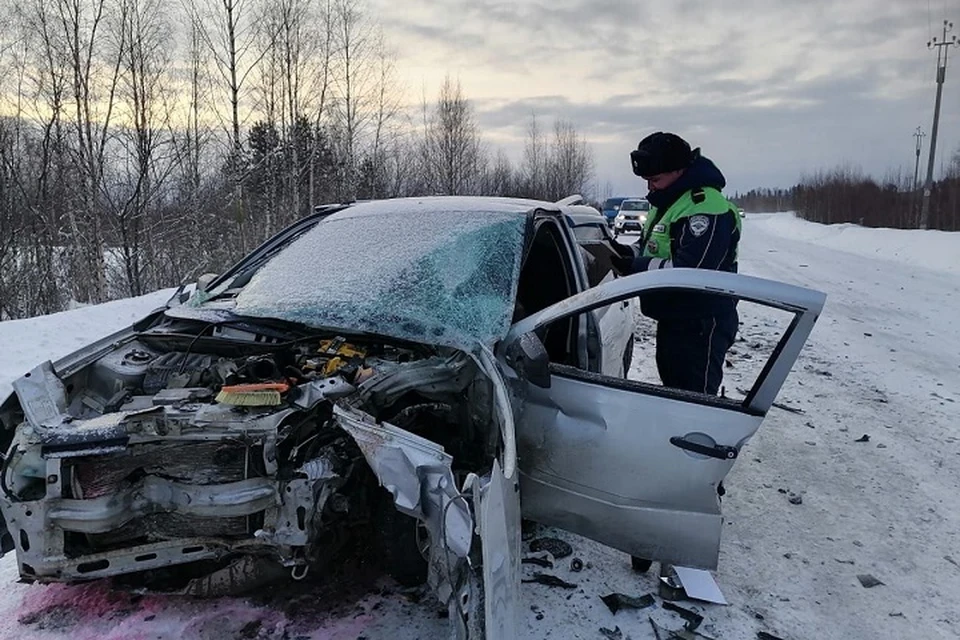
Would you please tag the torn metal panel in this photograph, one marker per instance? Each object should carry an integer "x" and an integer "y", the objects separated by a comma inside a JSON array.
[
  {"x": 300, "y": 501},
  {"x": 42, "y": 396},
  {"x": 499, "y": 516},
  {"x": 313, "y": 393},
  {"x": 437, "y": 374},
  {"x": 417, "y": 473},
  {"x": 503, "y": 413}
]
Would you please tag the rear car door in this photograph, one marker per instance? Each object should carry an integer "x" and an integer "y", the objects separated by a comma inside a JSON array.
[
  {"x": 633, "y": 465},
  {"x": 609, "y": 334}
]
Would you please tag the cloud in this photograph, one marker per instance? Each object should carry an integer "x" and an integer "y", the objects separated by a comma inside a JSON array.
[{"x": 770, "y": 89}]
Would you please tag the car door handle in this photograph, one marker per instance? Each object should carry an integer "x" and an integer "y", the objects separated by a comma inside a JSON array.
[{"x": 719, "y": 451}]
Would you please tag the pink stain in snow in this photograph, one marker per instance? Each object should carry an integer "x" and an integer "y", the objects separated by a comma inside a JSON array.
[{"x": 94, "y": 612}]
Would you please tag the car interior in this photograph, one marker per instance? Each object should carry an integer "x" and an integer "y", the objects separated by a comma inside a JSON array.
[{"x": 539, "y": 287}]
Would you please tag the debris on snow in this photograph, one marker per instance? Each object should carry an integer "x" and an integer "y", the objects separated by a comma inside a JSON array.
[
  {"x": 540, "y": 561},
  {"x": 868, "y": 581},
  {"x": 617, "y": 601},
  {"x": 611, "y": 634},
  {"x": 796, "y": 498},
  {"x": 693, "y": 619},
  {"x": 863, "y": 438},
  {"x": 550, "y": 581},
  {"x": 763, "y": 635},
  {"x": 700, "y": 585},
  {"x": 786, "y": 407},
  {"x": 554, "y": 546},
  {"x": 576, "y": 565}
]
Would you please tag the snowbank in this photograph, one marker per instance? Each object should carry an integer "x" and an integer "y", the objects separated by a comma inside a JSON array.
[
  {"x": 26, "y": 342},
  {"x": 936, "y": 250}
]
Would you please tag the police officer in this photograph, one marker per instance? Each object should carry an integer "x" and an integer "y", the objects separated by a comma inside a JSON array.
[{"x": 690, "y": 224}]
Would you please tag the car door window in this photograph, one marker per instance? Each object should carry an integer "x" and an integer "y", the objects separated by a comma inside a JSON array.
[
  {"x": 633, "y": 464},
  {"x": 760, "y": 330},
  {"x": 546, "y": 277}
]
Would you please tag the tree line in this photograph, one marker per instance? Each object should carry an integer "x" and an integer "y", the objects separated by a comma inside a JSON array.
[
  {"x": 846, "y": 194},
  {"x": 141, "y": 146}
]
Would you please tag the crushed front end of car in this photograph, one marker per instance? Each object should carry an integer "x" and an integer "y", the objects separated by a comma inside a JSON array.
[{"x": 136, "y": 463}]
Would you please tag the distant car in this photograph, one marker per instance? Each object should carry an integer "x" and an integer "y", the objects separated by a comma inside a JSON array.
[
  {"x": 632, "y": 215},
  {"x": 413, "y": 402},
  {"x": 611, "y": 207}
]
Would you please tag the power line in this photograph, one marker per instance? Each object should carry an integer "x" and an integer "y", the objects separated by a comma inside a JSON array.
[{"x": 943, "y": 48}]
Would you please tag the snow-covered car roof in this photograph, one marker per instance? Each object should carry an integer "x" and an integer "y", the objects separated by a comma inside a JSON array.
[
  {"x": 438, "y": 270},
  {"x": 441, "y": 205}
]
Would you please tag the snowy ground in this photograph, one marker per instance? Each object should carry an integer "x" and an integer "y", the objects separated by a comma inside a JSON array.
[{"x": 884, "y": 361}]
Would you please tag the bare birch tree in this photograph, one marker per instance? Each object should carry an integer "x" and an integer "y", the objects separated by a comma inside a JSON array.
[
  {"x": 354, "y": 84},
  {"x": 145, "y": 134},
  {"x": 570, "y": 165},
  {"x": 452, "y": 152},
  {"x": 228, "y": 31},
  {"x": 533, "y": 168}
]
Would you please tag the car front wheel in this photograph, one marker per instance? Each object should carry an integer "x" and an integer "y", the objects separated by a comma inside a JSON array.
[{"x": 404, "y": 544}]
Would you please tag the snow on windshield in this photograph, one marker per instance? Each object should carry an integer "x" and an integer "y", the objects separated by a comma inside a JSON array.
[{"x": 440, "y": 277}]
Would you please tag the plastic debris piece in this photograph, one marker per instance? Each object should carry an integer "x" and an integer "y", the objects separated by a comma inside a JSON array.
[
  {"x": 786, "y": 407},
  {"x": 550, "y": 581},
  {"x": 700, "y": 585},
  {"x": 868, "y": 581},
  {"x": 617, "y": 601},
  {"x": 611, "y": 634},
  {"x": 763, "y": 635},
  {"x": 554, "y": 546},
  {"x": 656, "y": 628},
  {"x": 692, "y": 618},
  {"x": 540, "y": 561},
  {"x": 796, "y": 498},
  {"x": 863, "y": 438},
  {"x": 576, "y": 565}
]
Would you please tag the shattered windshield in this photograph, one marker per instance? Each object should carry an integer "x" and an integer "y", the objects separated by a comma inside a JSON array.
[{"x": 440, "y": 277}]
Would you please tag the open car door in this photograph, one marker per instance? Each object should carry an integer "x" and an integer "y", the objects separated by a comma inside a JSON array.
[{"x": 633, "y": 465}]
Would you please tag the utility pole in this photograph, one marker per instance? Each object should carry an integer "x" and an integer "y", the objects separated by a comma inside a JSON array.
[
  {"x": 943, "y": 47},
  {"x": 919, "y": 135}
]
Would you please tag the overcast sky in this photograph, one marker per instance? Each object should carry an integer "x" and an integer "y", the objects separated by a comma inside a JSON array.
[{"x": 768, "y": 88}]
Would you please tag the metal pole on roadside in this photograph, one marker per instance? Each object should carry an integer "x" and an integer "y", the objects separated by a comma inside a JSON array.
[
  {"x": 943, "y": 47},
  {"x": 915, "y": 189}
]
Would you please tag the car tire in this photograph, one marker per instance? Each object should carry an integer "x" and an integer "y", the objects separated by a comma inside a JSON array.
[
  {"x": 640, "y": 565},
  {"x": 628, "y": 356},
  {"x": 402, "y": 544}
]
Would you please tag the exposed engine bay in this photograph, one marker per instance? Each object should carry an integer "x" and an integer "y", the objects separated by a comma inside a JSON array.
[{"x": 235, "y": 458}]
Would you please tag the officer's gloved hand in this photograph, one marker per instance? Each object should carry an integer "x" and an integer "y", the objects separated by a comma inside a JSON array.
[{"x": 624, "y": 258}]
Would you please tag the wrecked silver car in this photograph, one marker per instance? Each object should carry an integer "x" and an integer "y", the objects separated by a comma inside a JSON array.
[{"x": 417, "y": 372}]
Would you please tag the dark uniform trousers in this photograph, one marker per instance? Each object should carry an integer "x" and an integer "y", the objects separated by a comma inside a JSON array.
[{"x": 691, "y": 351}]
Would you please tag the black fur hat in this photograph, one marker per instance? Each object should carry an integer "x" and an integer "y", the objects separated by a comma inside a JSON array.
[{"x": 661, "y": 153}]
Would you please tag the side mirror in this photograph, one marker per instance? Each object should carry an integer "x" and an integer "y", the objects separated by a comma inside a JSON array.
[
  {"x": 530, "y": 359},
  {"x": 204, "y": 281}
]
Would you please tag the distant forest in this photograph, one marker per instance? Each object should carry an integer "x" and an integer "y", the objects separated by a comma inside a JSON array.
[{"x": 846, "y": 195}]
